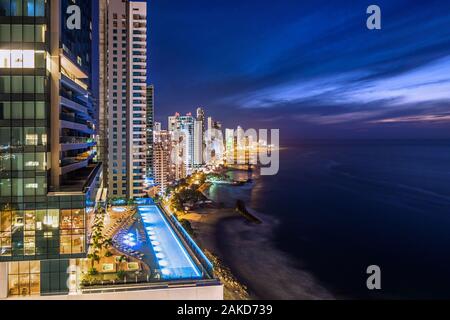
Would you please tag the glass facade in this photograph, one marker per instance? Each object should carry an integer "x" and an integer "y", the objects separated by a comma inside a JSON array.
[
  {"x": 22, "y": 8},
  {"x": 54, "y": 231},
  {"x": 24, "y": 278},
  {"x": 43, "y": 224},
  {"x": 24, "y": 133}
]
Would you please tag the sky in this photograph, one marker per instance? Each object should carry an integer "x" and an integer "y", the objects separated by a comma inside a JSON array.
[{"x": 309, "y": 68}]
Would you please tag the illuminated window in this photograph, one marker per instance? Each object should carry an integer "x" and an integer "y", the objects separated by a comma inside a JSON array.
[
  {"x": 5, "y": 58},
  {"x": 17, "y": 59},
  {"x": 5, "y": 233},
  {"x": 31, "y": 139},
  {"x": 72, "y": 232},
  {"x": 24, "y": 278}
]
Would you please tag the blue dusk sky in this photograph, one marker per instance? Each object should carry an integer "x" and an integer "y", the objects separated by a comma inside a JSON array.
[{"x": 310, "y": 68}]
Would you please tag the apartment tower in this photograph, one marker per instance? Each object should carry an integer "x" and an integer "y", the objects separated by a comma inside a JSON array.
[
  {"x": 182, "y": 130},
  {"x": 163, "y": 173},
  {"x": 126, "y": 102}
]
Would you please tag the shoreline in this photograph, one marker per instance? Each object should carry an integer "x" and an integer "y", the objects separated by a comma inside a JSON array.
[{"x": 247, "y": 249}]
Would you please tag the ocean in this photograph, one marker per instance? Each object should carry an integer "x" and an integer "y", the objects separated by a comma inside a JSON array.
[{"x": 342, "y": 206}]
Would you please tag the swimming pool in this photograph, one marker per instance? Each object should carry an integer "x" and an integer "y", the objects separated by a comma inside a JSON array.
[{"x": 173, "y": 258}]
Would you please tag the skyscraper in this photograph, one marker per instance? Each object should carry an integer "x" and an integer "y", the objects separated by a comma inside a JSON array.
[
  {"x": 150, "y": 123},
  {"x": 126, "y": 101},
  {"x": 162, "y": 162},
  {"x": 48, "y": 171},
  {"x": 198, "y": 143},
  {"x": 182, "y": 128},
  {"x": 173, "y": 123},
  {"x": 201, "y": 117}
]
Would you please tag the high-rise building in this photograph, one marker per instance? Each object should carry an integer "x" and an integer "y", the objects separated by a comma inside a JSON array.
[
  {"x": 230, "y": 146},
  {"x": 161, "y": 159},
  {"x": 217, "y": 125},
  {"x": 201, "y": 117},
  {"x": 150, "y": 127},
  {"x": 126, "y": 100},
  {"x": 214, "y": 141},
  {"x": 210, "y": 125},
  {"x": 48, "y": 172},
  {"x": 173, "y": 123},
  {"x": 103, "y": 88},
  {"x": 182, "y": 128},
  {"x": 198, "y": 143},
  {"x": 200, "y": 146},
  {"x": 157, "y": 127}
]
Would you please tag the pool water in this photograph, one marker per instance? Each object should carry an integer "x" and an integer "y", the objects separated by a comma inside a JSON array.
[{"x": 173, "y": 259}]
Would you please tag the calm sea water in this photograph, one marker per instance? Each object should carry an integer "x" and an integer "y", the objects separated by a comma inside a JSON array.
[{"x": 346, "y": 205}]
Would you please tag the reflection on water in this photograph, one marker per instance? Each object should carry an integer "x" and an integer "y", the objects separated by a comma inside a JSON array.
[{"x": 345, "y": 206}]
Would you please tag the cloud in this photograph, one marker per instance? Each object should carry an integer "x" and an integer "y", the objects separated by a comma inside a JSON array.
[
  {"x": 420, "y": 118},
  {"x": 313, "y": 62}
]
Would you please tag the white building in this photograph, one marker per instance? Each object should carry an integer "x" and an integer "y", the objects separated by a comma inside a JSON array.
[
  {"x": 161, "y": 159},
  {"x": 198, "y": 143},
  {"x": 182, "y": 128}
]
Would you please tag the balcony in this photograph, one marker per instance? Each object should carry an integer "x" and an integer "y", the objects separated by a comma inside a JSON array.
[
  {"x": 74, "y": 84},
  {"x": 68, "y": 103},
  {"x": 74, "y": 143},
  {"x": 74, "y": 123},
  {"x": 80, "y": 180},
  {"x": 70, "y": 164}
]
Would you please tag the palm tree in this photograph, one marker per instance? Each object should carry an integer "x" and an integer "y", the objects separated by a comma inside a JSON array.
[
  {"x": 94, "y": 257},
  {"x": 121, "y": 259},
  {"x": 107, "y": 243}
]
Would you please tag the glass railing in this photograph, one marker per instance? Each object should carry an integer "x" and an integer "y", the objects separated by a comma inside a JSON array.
[
  {"x": 75, "y": 140},
  {"x": 69, "y": 118},
  {"x": 80, "y": 158}
]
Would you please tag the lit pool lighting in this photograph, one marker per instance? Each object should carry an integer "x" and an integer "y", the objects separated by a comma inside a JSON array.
[
  {"x": 119, "y": 209},
  {"x": 173, "y": 258},
  {"x": 163, "y": 263},
  {"x": 165, "y": 271}
]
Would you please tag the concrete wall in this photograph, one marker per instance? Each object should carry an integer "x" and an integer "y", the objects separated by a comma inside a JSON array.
[{"x": 187, "y": 293}]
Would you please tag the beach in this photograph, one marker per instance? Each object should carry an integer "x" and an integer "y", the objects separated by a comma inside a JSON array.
[{"x": 247, "y": 249}]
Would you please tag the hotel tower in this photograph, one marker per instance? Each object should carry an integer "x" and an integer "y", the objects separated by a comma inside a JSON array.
[
  {"x": 49, "y": 176},
  {"x": 124, "y": 100}
]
